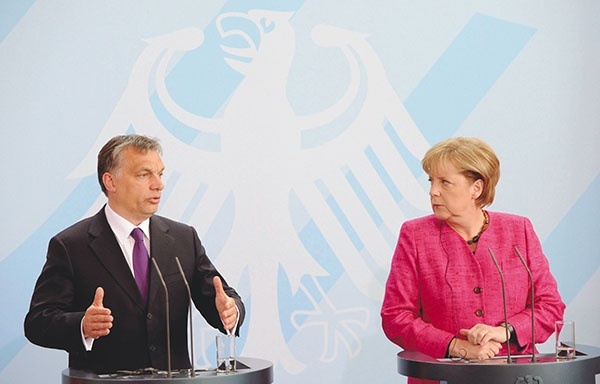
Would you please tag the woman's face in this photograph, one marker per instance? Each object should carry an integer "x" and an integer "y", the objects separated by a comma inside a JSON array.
[{"x": 452, "y": 194}]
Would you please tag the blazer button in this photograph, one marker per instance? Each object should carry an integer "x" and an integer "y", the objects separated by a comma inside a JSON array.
[
  {"x": 479, "y": 313},
  {"x": 152, "y": 348},
  {"x": 477, "y": 290},
  {"x": 149, "y": 316}
]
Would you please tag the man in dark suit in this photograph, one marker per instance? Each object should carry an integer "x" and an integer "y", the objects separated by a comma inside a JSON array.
[{"x": 86, "y": 299}]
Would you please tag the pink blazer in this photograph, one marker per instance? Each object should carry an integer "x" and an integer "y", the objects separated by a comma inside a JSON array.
[{"x": 437, "y": 286}]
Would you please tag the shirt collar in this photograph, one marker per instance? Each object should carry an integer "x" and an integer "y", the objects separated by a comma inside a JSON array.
[{"x": 122, "y": 227}]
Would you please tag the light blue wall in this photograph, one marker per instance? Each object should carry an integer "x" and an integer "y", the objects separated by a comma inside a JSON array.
[{"x": 292, "y": 144}]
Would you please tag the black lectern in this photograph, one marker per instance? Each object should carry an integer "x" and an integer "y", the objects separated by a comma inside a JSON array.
[
  {"x": 547, "y": 369},
  {"x": 258, "y": 372}
]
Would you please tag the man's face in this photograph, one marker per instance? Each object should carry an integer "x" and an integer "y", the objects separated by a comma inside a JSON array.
[{"x": 134, "y": 187}]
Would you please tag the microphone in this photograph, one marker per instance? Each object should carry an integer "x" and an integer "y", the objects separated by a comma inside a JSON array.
[
  {"x": 162, "y": 280},
  {"x": 533, "y": 357},
  {"x": 191, "y": 326},
  {"x": 508, "y": 358}
]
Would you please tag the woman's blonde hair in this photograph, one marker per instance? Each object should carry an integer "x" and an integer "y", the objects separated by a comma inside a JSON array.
[{"x": 474, "y": 158}]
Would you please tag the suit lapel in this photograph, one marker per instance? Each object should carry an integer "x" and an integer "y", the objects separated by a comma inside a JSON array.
[
  {"x": 161, "y": 245},
  {"x": 106, "y": 248}
]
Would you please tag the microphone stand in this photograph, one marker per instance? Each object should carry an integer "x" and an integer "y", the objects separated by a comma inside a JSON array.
[
  {"x": 508, "y": 359},
  {"x": 169, "y": 373},
  {"x": 533, "y": 357},
  {"x": 190, "y": 302}
]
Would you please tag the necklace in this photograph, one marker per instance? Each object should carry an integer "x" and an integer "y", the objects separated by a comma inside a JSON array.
[{"x": 475, "y": 238}]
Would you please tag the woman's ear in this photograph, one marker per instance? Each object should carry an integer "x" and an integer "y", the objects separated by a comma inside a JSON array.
[{"x": 477, "y": 189}]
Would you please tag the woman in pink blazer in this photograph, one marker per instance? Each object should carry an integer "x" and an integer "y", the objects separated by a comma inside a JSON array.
[{"x": 444, "y": 293}]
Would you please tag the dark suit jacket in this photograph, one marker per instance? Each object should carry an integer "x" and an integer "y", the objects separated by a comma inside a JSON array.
[{"x": 86, "y": 256}]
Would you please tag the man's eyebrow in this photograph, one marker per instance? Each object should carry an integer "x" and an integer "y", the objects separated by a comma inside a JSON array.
[{"x": 148, "y": 169}]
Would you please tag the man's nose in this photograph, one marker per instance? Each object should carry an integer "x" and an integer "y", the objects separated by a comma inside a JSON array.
[{"x": 157, "y": 183}]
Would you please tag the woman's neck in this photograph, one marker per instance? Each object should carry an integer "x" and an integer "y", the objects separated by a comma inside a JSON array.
[{"x": 470, "y": 228}]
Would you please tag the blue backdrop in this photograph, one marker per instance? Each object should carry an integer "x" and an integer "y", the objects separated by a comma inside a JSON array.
[{"x": 292, "y": 133}]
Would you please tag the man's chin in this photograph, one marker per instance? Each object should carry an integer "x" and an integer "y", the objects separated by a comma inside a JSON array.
[{"x": 150, "y": 210}]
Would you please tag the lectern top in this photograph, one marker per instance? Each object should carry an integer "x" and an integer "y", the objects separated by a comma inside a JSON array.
[{"x": 258, "y": 371}]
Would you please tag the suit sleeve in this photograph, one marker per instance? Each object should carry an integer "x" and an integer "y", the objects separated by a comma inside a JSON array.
[
  {"x": 204, "y": 290},
  {"x": 52, "y": 320}
]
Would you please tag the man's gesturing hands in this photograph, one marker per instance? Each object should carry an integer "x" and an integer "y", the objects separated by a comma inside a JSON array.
[
  {"x": 225, "y": 305},
  {"x": 97, "y": 320}
]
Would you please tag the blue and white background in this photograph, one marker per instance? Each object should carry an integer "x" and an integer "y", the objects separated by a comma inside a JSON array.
[{"x": 292, "y": 133}]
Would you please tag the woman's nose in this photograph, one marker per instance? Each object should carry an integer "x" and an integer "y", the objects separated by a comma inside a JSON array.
[{"x": 434, "y": 191}]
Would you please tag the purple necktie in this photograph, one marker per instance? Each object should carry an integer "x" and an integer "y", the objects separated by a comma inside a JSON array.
[{"x": 140, "y": 262}]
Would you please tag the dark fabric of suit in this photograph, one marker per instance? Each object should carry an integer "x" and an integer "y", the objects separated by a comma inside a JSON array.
[{"x": 86, "y": 256}]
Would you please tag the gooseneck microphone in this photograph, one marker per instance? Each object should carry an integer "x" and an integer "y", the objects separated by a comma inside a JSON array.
[
  {"x": 162, "y": 280},
  {"x": 533, "y": 357},
  {"x": 508, "y": 358},
  {"x": 190, "y": 303}
]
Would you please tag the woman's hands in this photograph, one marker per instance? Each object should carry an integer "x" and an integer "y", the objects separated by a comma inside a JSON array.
[
  {"x": 483, "y": 342},
  {"x": 467, "y": 350},
  {"x": 481, "y": 334}
]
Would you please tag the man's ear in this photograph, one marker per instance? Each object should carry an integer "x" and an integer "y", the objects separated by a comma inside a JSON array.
[{"x": 108, "y": 181}]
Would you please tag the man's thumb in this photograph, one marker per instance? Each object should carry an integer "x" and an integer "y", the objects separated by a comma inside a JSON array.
[
  {"x": 98, "y": 297},
  {"x": 218, "y": 286}
]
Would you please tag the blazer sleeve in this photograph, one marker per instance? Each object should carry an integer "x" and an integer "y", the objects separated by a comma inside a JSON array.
[
  {"x": 401, "y": 315},
  {"x": 548, "y": 305}
]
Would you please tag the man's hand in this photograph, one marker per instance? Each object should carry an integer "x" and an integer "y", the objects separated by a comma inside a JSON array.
[
  {"x": 97, "y": 320},
  {"x": 225, "y": 305}
]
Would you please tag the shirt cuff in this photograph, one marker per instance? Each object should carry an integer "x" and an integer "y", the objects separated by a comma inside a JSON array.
[{"x": 88, "y": 342}]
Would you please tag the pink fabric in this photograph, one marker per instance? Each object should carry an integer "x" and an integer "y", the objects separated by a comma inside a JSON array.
[{"x": 431, "y": 291}]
